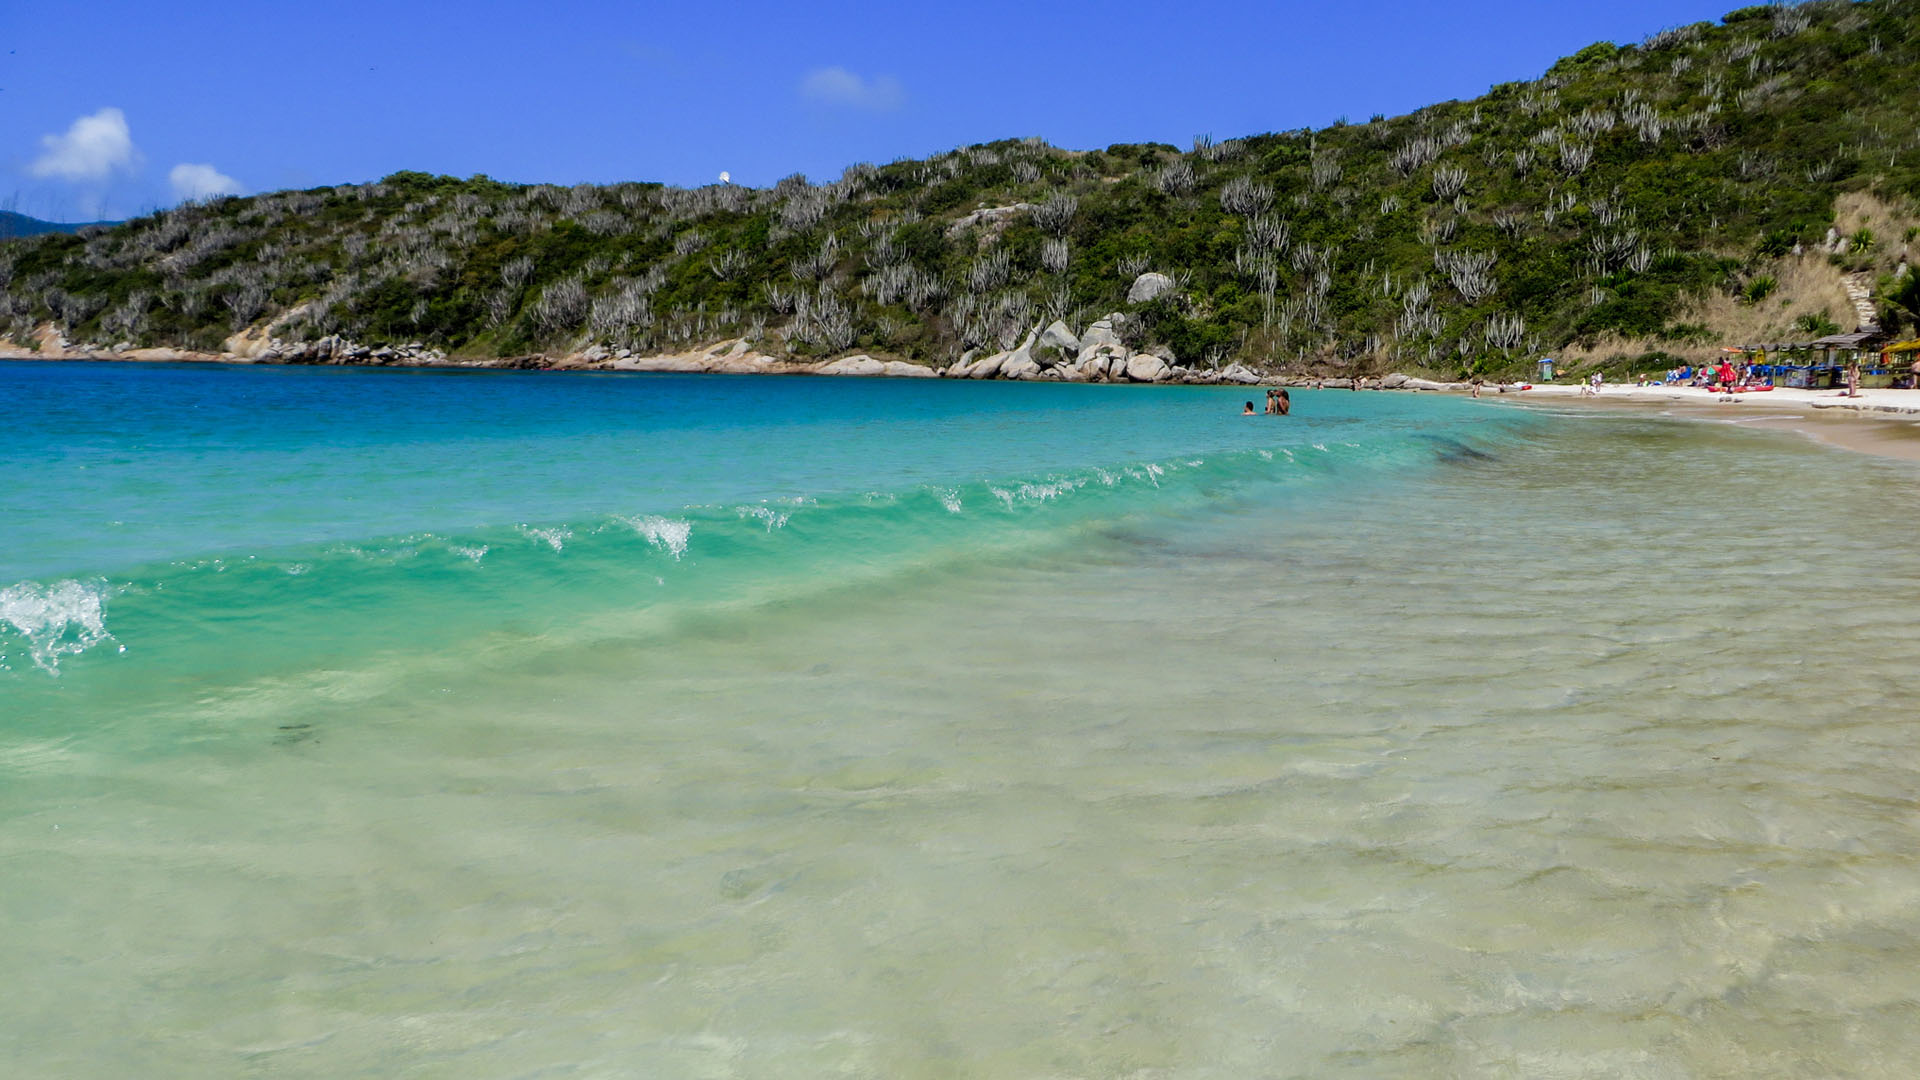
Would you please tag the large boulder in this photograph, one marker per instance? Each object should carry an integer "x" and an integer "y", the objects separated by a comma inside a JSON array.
[
  {"x": 1146, "y": 367},
  {"x": 1019, "y": 365},
  {"x": 1101, "y": 332},
  {"x": 1148, "y": 286},
  {"x": 865, "y": 366},
  {"x": 1055, "y": 345},
  {"x": 987, "y": 366},
  {"x": 1425, "y": 384},
  {"x": 900, "y": 369},
  {"x": 1393, "y": 382},
  {"x": 1239, "y": 373},
  {"x": 1104, "y": 361}
]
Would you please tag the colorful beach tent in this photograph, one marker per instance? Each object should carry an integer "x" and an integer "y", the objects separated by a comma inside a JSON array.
[{"x": 1910, "y": 345}]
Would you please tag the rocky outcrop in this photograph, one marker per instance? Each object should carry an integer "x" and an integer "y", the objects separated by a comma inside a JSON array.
[
  {"x": 991, "y": 215},
  {"x": 868, "y": 367},
  {"x": 731, "y": 357},
  {"x": 334, "y": 349},
  {"x": 1148, "y": 286},
  {"x": 1052, "y": 352}
]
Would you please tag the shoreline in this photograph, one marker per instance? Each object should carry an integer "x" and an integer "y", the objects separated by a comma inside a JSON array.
[{"x": 1880, "y": 422}]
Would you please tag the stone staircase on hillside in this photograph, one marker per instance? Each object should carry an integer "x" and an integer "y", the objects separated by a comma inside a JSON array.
[{"x": 1860, "y": 294}]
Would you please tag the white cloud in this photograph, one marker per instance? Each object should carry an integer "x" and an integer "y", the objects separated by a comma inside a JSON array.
[
  {"x": 838, "y": 86},
  {"x": 201, "y": 182},
  {"x": 91, "y": 149}
]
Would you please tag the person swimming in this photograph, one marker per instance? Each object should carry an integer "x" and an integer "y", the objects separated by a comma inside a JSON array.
[{"x": 1248, "y": 411}]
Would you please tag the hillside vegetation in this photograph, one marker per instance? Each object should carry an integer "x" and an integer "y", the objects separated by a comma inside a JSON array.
[{"x": 1711, "y": 182}]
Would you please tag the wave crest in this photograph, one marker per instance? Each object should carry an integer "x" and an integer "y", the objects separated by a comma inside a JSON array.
[{"x": 60, "y": 619}]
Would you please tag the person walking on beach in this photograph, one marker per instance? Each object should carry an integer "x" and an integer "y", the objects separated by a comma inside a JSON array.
[{"x": 1477, "y": 380}]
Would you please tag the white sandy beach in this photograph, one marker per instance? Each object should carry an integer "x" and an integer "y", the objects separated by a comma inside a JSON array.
[{"x": 1880, "y": 421}]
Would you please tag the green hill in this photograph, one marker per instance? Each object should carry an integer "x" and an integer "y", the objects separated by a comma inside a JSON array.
[{"x": 1710, "y": 183}]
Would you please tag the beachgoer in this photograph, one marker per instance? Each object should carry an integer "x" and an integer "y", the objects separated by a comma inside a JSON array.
[
  {"x": 1477, "y": 380},
  {"x": 1248, "y": 411},
  {"x": 1286, "y": 403}
]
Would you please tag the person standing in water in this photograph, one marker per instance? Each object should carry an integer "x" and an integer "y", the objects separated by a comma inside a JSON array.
[
  {"x": 1248, "y": 411},
  {"x": 1283, "y": 403}
]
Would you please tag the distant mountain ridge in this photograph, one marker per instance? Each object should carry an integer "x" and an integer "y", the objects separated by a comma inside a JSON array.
[
  {"x": 1746, "y": 180},
  {"x": 13, "y": 226}
]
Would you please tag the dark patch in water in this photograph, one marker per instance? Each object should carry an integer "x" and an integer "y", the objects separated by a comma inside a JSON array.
[
  {"x": 1455, "y": 452},
  {"x": 294, "y": 733}
]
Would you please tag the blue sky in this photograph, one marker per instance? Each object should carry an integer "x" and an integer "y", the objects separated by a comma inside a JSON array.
[{"x": 110, "y": 108}]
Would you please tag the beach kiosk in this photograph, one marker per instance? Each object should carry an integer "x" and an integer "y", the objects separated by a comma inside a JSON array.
[
  {"x": 1901, "y": 360},
  {"x": 1837, "y": 352},
  {"x": 1546, "y": 369}
]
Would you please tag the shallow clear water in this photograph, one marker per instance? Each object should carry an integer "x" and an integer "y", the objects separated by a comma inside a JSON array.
[{"x": 1121, "y": 736}]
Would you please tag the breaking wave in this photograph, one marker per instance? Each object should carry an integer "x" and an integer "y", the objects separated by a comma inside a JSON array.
[
  {"x": 47, "y": 622},
  {"x": 401, "y": 591}
]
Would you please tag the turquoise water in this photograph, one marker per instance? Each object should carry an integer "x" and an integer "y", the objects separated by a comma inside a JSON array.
[
  {"x": 176, "y": 528},
  {"x": 504, "y": 724}
]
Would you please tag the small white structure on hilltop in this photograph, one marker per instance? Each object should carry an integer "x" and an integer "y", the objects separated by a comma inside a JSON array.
[{"x": 726, "y": 178}]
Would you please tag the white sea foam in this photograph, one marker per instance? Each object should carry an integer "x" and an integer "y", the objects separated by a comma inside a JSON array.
[
  {"x": 61, "y": 619},
  {"x": 555, "y": 538},
  {"x": 773, "y": 519},
  {"x": 670, "y": 534},
  {"x": 950, "y": 498},
  {"x": 1047, "y": 492},
  {"x": 474, "y": 553},
  {"x": 1034, "y": 493}
]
